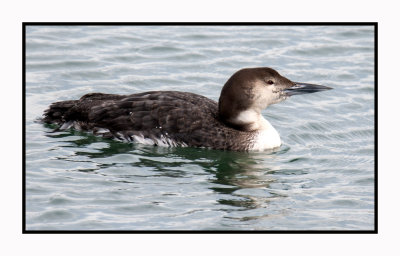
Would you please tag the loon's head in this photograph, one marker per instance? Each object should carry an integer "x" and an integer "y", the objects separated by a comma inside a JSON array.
[{"x": 250, "y": 90}]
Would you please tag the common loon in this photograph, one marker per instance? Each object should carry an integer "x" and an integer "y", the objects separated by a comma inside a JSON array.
[{"x": 172, "y": 118}]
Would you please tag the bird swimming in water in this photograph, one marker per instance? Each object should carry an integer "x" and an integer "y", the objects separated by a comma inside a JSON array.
[{"x": 172, "y": 118}]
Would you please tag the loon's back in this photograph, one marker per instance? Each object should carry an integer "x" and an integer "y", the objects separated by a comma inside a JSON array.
[{"x": 156, "y": 117}]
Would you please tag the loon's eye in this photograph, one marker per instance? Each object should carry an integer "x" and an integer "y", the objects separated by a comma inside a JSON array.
[{"x": 270, "y": 82}]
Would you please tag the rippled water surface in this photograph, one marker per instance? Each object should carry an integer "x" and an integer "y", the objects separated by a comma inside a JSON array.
[{"x": 322, "y": 178}]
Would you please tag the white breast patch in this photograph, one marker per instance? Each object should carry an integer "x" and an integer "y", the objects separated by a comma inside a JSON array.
[{"x": 267, "y": 138}]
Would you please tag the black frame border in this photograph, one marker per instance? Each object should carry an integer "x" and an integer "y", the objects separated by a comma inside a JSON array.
[{"x": 25, "y": 24}]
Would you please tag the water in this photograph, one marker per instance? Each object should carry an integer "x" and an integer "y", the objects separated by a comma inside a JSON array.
[{"x": 322, "y": 178}]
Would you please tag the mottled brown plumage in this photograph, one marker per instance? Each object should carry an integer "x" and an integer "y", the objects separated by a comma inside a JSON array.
[{"x": 186, "y": 118}]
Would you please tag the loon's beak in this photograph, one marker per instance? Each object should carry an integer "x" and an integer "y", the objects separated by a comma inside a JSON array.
[{"x": 302, "y": 88}]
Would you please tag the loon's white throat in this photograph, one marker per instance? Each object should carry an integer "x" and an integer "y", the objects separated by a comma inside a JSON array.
[{"x": 266, "y": 135}]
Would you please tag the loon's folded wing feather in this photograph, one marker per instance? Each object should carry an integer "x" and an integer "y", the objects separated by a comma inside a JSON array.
[{"x": 184, "y": 118}]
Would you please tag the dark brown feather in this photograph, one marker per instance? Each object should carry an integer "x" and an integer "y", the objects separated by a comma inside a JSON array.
[{"x": 186, "y": 118}]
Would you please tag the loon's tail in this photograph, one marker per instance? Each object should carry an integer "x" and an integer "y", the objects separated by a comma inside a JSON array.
[{"x": 57, "y": 111}]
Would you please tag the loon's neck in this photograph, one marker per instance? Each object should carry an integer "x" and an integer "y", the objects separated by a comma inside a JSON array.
[
  {"x": 249, "y": 120},
  {"x": 266, "y": 137}
]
